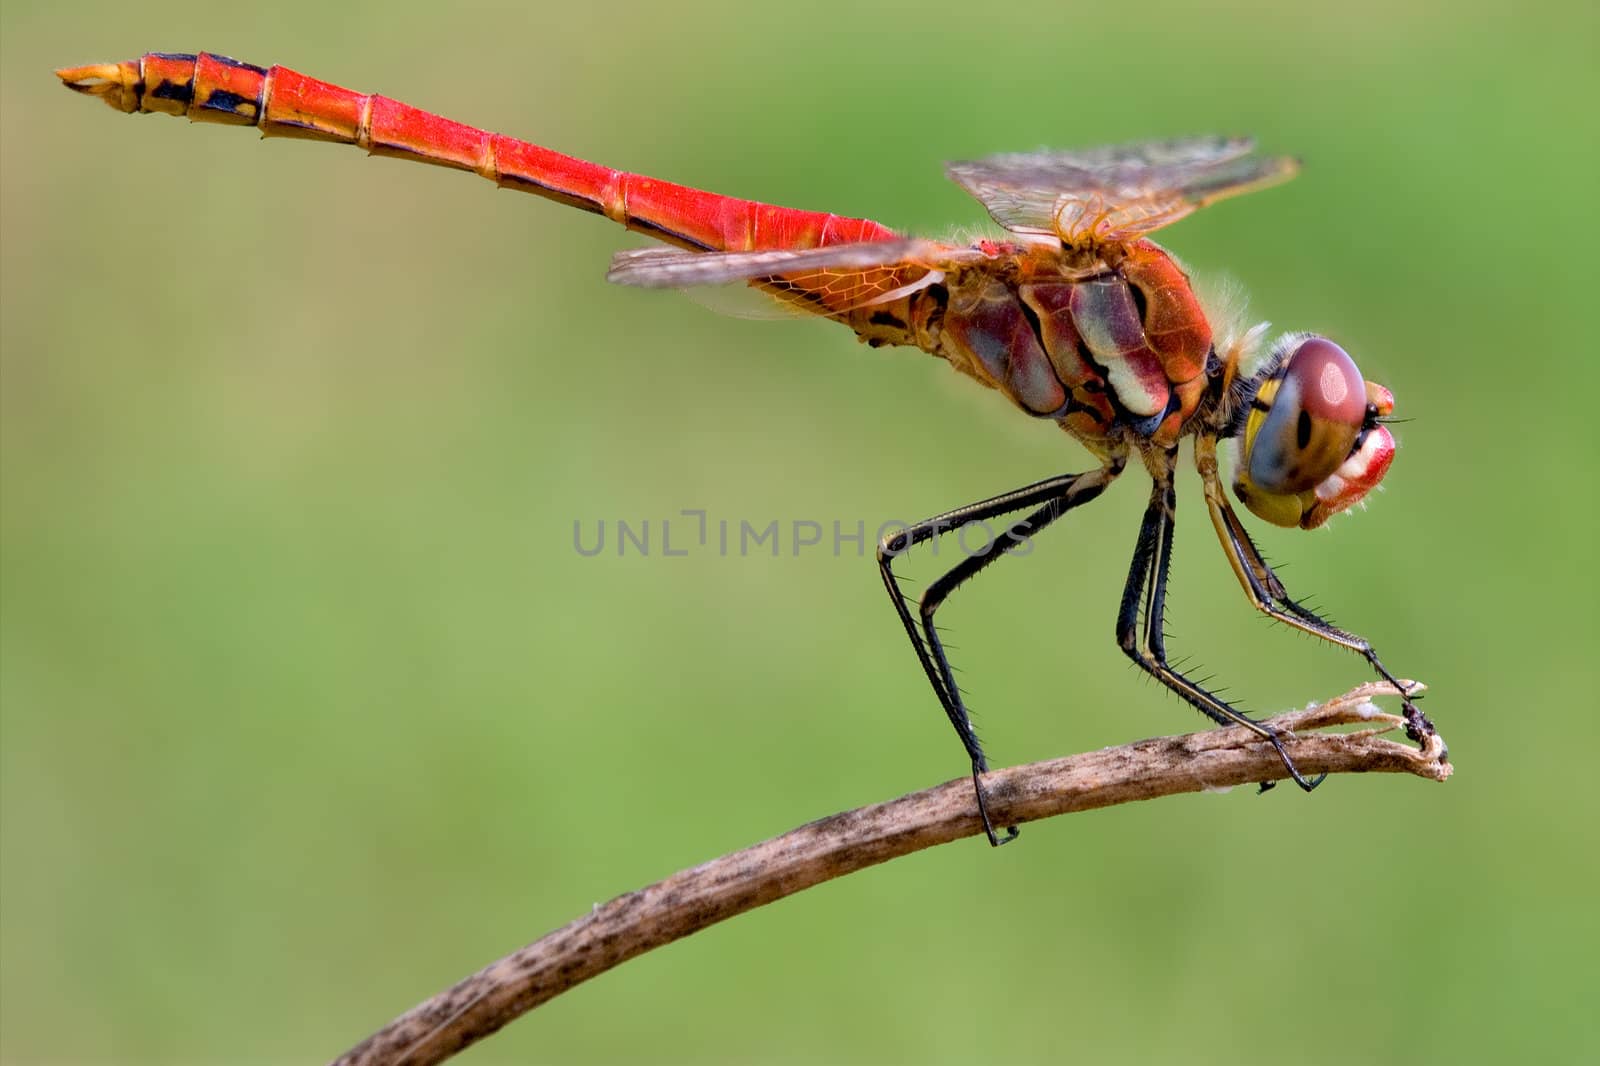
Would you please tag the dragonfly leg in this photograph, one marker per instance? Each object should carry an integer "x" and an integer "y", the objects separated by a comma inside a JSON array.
[
  {"x": 1050, "y": 499},
  {"x": 1268, "y": 595},
  {"x": 1147, "y": 588}
]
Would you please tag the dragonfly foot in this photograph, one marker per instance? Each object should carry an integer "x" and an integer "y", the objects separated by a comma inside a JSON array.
[
  {"x": 995, "y": 839},
  {"x": 1420, "y": 728},
  {"x": 1294, "y": 772}
]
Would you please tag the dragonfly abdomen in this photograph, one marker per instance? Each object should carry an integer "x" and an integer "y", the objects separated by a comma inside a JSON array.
[{"x": 286, "y": 103}]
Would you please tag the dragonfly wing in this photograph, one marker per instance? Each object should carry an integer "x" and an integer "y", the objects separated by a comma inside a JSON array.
[
  {"x": 1118, "y": 192},
  {"x": 828, "y": 280},
  {"x": 673, "y": 268}
]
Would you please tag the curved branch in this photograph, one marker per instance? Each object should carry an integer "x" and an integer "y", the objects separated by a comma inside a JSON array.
[{"x": 693, "y": 899}]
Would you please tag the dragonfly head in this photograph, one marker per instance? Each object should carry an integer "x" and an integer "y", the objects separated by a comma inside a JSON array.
[{"x": 1313, "y": 444}]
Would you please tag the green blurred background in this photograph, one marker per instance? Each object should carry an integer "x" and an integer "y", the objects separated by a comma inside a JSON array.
[{"x": 310, "y": 707}]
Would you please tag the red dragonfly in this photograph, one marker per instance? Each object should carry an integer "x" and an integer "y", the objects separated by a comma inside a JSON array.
[{"x": 1075, "y": 317}]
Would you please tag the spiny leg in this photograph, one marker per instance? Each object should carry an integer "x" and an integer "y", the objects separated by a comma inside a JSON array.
[
  {"x": 1268, "y": 595},
  {"x": 928, "y": 605},
  {"x": 1052, "y": 498},
  {"x": 1147, "y": 586},
  {"x": 898, "y": 543}
]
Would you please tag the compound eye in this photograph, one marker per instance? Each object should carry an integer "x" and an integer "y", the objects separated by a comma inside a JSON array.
[{"x": 1316, "y": 419}]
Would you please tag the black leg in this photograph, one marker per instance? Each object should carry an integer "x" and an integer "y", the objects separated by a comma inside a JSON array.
[
  {"x": 1050, "y": 499},
  {"x": 1267, "y": 594},
  {"x": 1147, "y": 587}
]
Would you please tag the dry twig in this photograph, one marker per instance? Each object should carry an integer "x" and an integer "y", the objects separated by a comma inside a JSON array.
[{"x": 693, "y": 899}]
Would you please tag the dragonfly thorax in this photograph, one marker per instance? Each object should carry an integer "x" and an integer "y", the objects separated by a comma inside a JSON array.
[{"x": 1113, "y": 352}]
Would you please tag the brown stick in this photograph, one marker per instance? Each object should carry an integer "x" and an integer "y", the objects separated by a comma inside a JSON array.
[{"x": 691, "y": 900}]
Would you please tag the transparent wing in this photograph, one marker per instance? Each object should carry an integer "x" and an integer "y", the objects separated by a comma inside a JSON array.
[
  {"x": 827, "y": 280},
  {"x": 1118, "y": 192},
  {"x": 673, "y": 268}
]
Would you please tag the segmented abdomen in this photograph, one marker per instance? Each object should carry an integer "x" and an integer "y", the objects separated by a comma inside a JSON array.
[{"x": 286, "y": 103}]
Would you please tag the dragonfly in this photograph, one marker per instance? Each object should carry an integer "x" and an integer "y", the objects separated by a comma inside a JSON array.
[{"x": 1074, "y": 316}]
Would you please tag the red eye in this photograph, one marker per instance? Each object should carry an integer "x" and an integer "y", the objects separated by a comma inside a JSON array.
[
  {"x": 1316, "y": 417},
  {"x": 1330, "y": 386}
]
